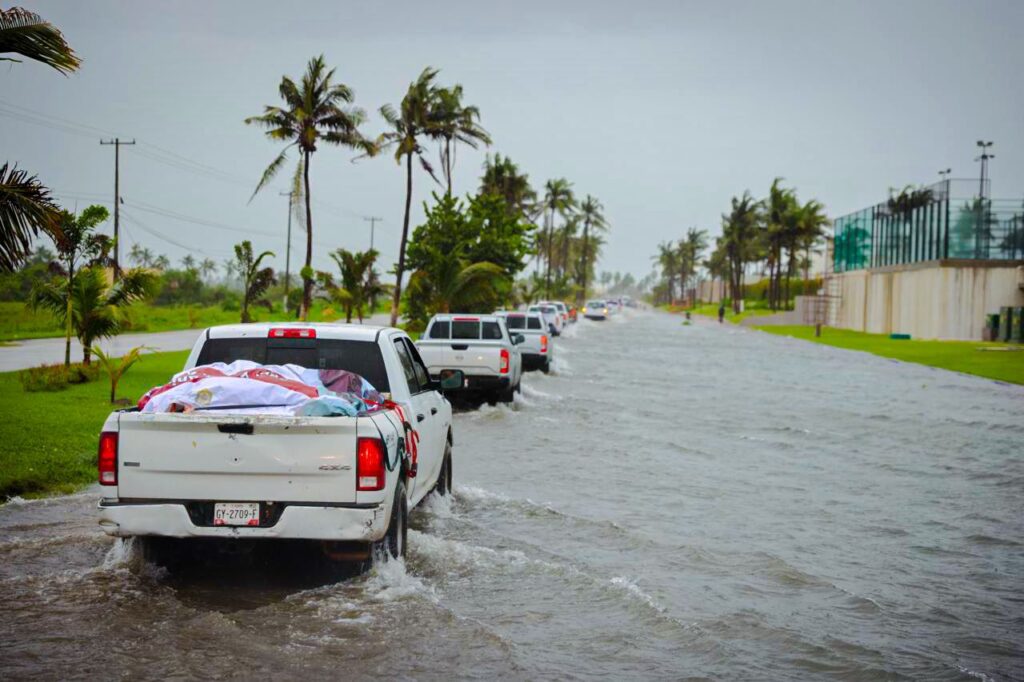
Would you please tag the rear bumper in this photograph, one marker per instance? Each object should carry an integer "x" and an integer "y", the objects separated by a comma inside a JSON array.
[
  {"x": 535, "y": 361},
  {"x": 595, "y": 317},
  {"x": 482, "y": 383},
  {"x": 298, "y": 522}
]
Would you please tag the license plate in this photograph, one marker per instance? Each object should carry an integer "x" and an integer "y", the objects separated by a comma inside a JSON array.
[{"x": 236, "y": 514}]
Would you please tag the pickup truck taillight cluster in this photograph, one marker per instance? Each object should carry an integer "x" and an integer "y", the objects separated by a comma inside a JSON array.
[
  {"x": 543, "y": 343},
  {"x": 503, "y": 367},
  {"x": 107, "y": 458},
  {"x": 370, "y": 474}
]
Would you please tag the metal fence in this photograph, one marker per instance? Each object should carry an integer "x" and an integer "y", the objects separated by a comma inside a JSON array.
[{"x": 928, "y": 224}]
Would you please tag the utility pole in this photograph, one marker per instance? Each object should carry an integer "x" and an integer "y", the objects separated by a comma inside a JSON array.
[
  {"x": 117, "y": 142},
  {"x": 288, "y": 247},
  {"x": 373, "y": 220}
]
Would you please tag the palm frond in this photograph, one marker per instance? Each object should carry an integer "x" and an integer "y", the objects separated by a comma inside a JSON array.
[
  {"x": 26, "y": 33},
  {"x": 26, "y": 209},
  {"x": 271, "y": 171}
]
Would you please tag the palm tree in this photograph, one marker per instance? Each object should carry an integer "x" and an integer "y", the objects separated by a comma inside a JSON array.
[
  {"x": 811, "y": 224},
  {"x": 77, "y": 244},
  {"x": 359, "y": 283},
  {"x": 502, "y": 177},
  {"x": 454, "y": 123},
  {"x": 255, "y": 280},
  {"x": 740, "y": 242},
  {"x": 668, "y": 258},
  {"x": 97, "y": 306},
  {"x": 413, "y": 120},
  {"x": 780, "y": 209},
  {"x": 689, "y": 253},
  {"x": 592, "y": 213},
  {"x": 26, "y": 209},
  {"x": 314, "y": 111},
  {"x": 451, "y": 282},
  {"x": 25, "y": 33},
  {"x": 558, "y": 198}
]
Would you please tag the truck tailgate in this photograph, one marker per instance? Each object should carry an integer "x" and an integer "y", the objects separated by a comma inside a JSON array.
[
  {"x": 237, "y": 458},
  {"x": 475, "y": 358}
]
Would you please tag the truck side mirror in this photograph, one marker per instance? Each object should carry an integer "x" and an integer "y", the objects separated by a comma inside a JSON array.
[
  {"x": 518, "y": 339},
  {"x": 452, "y": 379}
]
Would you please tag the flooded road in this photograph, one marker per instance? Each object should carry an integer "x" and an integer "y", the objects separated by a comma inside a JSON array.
[{"x": 673, "y": 502}]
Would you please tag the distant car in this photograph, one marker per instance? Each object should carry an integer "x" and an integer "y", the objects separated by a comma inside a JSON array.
[
  {"x": 596, "y": 309},
  {"x": 537, "y": 349},
  {"x": 478, "y": 345},
  {"x": 551, "y": 315},
  {"x": 563, "y": 309},
  {"x": 613, "y": 306}
]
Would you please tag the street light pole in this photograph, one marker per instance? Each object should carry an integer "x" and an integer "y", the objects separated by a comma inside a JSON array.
[{"x": 980, "y": 228}]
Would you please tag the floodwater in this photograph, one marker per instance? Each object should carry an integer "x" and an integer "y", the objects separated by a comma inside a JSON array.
[{"x": 673, "y": 502}]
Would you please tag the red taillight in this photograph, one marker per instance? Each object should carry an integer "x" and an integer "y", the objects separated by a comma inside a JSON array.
[
  {"x": 503, "y": 368},
  {"x": 369, "y": 464},
  {"x": 543, "y": 343},
  {"x": 291, "y": 333},
  {"x": 108, "y": 458}
]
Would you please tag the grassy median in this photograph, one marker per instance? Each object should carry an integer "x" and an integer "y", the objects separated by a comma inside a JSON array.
[
  {"x": 990, "y": 360},
  {"x": 48, "y": 439}
]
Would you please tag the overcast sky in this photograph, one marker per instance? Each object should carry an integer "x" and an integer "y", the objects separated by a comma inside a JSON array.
[{"x": 662, "y": 110}]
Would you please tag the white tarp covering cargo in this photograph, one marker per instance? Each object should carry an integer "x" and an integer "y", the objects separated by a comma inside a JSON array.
[{"x": 244, "y": 386}]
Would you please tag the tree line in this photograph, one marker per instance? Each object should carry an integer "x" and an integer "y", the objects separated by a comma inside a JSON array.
[{"x": 779, "y": 233}]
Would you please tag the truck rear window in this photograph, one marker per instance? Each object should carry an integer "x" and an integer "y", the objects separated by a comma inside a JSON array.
[
  {"x": 472, "y": 330},
  {"x": 362, "y": 357},
  {"x": 441, "y": 329},
  {"x": 534, "y": 323},
  {"x": 516, "y": 321}
]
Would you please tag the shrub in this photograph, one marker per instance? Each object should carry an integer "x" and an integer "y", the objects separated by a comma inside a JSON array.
[
  {"x": 82, "y": 374},
  {"x": 232, "y": 302},
  {"x": 56, "y": 377},
  {"x": 44, "y": 378}
]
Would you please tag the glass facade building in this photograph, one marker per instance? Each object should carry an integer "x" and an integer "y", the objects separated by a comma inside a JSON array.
[{"x": 943, "y": 221}]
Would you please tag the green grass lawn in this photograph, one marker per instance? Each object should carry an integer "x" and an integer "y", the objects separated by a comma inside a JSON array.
[
  {"x": 19, "y": 322},
  {"x": 48, "y": 440},
  {"x": 959, "y": 356}
]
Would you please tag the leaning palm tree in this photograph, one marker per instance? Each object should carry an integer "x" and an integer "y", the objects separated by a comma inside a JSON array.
[
  {"x": 454, "y": 123},
  {"x": 97, "y": 307},
  {"x": 25, "y": 33},
  {"x": 502, "y": 177},
  {"x": 255, "y": 280},
  {"x": 408, "y": 125},
  {"x": 592, "y": 214},
  {"x": 558, "y": 198},
  {"x": 314, "y": 112},
  {"x": 26, "y": 209}
]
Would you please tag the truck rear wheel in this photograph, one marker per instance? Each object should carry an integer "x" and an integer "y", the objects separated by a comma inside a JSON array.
[
  {"x": 444, "y": 479},
  {"x": 394, "y": 540}
]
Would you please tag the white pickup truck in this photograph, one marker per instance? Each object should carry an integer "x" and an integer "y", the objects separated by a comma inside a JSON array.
[
  {"x": 537, "y": 349},
  {"x": 478, "y": 345},
  {"x": 348, "y": 482}
]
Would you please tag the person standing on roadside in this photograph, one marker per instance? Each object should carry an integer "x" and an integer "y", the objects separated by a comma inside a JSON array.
[{"x": 721, "y": 313}]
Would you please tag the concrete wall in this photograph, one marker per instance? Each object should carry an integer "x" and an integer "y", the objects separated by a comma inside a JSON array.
[{"x": 935, "y": 300}]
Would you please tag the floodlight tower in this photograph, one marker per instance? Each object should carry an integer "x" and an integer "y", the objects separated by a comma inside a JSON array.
[{"x": 985, "y": 156}]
